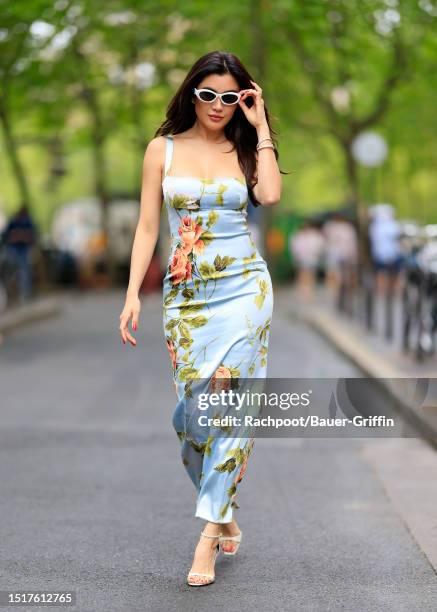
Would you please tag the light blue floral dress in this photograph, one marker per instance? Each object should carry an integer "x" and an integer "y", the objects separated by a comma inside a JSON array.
[{"x": 217, "y": 311}]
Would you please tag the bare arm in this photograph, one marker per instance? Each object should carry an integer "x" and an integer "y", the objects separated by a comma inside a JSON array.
[
  {"x": 146, "y": 233},
  {"x": 269, "y": 186}
]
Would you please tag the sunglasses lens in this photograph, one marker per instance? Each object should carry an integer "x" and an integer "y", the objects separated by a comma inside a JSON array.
[
  {"x": 207, "y": 96},
  {"x": 230, "y": 98}
]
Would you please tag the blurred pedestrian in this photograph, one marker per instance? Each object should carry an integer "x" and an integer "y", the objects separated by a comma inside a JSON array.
[
  {"x": 385, "y": 247},
  {"x": 341, "y": 252},
  {"x": 307, "y": 246},
  {"x": 19, "y": 236}
]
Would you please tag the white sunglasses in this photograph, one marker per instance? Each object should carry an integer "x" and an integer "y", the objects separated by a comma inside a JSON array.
[{"x": 227, "y": 97}]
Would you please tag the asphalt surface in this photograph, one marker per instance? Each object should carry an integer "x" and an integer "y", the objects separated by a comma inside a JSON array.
[{"x": 94, "y": 497}]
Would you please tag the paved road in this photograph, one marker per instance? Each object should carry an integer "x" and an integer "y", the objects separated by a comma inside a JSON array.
[{"x": 95, "y": 498}]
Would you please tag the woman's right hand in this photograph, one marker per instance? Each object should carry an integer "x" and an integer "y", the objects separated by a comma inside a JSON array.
[{"x": 131, "y": 310}]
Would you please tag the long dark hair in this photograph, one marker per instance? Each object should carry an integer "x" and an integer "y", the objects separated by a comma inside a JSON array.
[{"x": 180, "y": 115}]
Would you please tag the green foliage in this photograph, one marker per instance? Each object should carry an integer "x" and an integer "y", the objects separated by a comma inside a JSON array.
[{"x": 84, "y": 85}]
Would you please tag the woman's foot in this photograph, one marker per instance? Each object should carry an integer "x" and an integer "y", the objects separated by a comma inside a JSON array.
[
  {"x": 230, "y": 529},
  {"x": 204, "y": 555}
]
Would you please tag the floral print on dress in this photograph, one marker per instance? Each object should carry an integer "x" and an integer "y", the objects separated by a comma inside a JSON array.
[{"x": 217, "y": 310}]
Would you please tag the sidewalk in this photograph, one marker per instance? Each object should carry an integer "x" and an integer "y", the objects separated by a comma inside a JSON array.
[
  {"x": 377, "y": 357},
  {"x": 36, "y": 309}
]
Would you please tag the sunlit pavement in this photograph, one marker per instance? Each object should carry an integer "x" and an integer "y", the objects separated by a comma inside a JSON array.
[{"x": 95, "y": 498}]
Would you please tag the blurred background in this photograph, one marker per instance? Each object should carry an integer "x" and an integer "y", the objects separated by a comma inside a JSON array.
[
  {"x": 351, "y": 248},
  {"x": 84, "y": 85},
  {"x": 350, "y": 86}
]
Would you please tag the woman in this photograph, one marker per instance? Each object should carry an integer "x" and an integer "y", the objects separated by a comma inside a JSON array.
[{"x": 210, "y": 157}]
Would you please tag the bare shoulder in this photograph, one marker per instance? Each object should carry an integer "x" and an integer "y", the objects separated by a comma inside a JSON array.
[
  {"x": 187, "y": 135},
  {"x": 156, "y": 146},
  {"x": 154, "y": 154}
]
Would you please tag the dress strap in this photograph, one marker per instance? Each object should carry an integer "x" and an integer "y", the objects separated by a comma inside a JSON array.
[{"x": 168, "y": 153}]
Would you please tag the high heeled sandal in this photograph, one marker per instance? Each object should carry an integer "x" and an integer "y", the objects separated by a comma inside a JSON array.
[
  {"x": 235, "y": 538},
  {"x": 211, "y": 576}
]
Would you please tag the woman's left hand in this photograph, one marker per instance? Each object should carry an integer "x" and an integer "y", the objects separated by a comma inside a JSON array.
[{"x": 255, "y": 115}]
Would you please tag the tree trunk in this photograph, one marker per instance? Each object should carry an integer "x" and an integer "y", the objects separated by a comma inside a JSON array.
[
  {"x": 357, "y": 203},
  {"x": 100, "y": 182},
  {"x": 12, "y": 151}
]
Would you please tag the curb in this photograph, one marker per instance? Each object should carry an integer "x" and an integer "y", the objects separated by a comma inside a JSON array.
[
  {"x": 35, "y": 310},
  {"x": 351, "y": 344}
]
